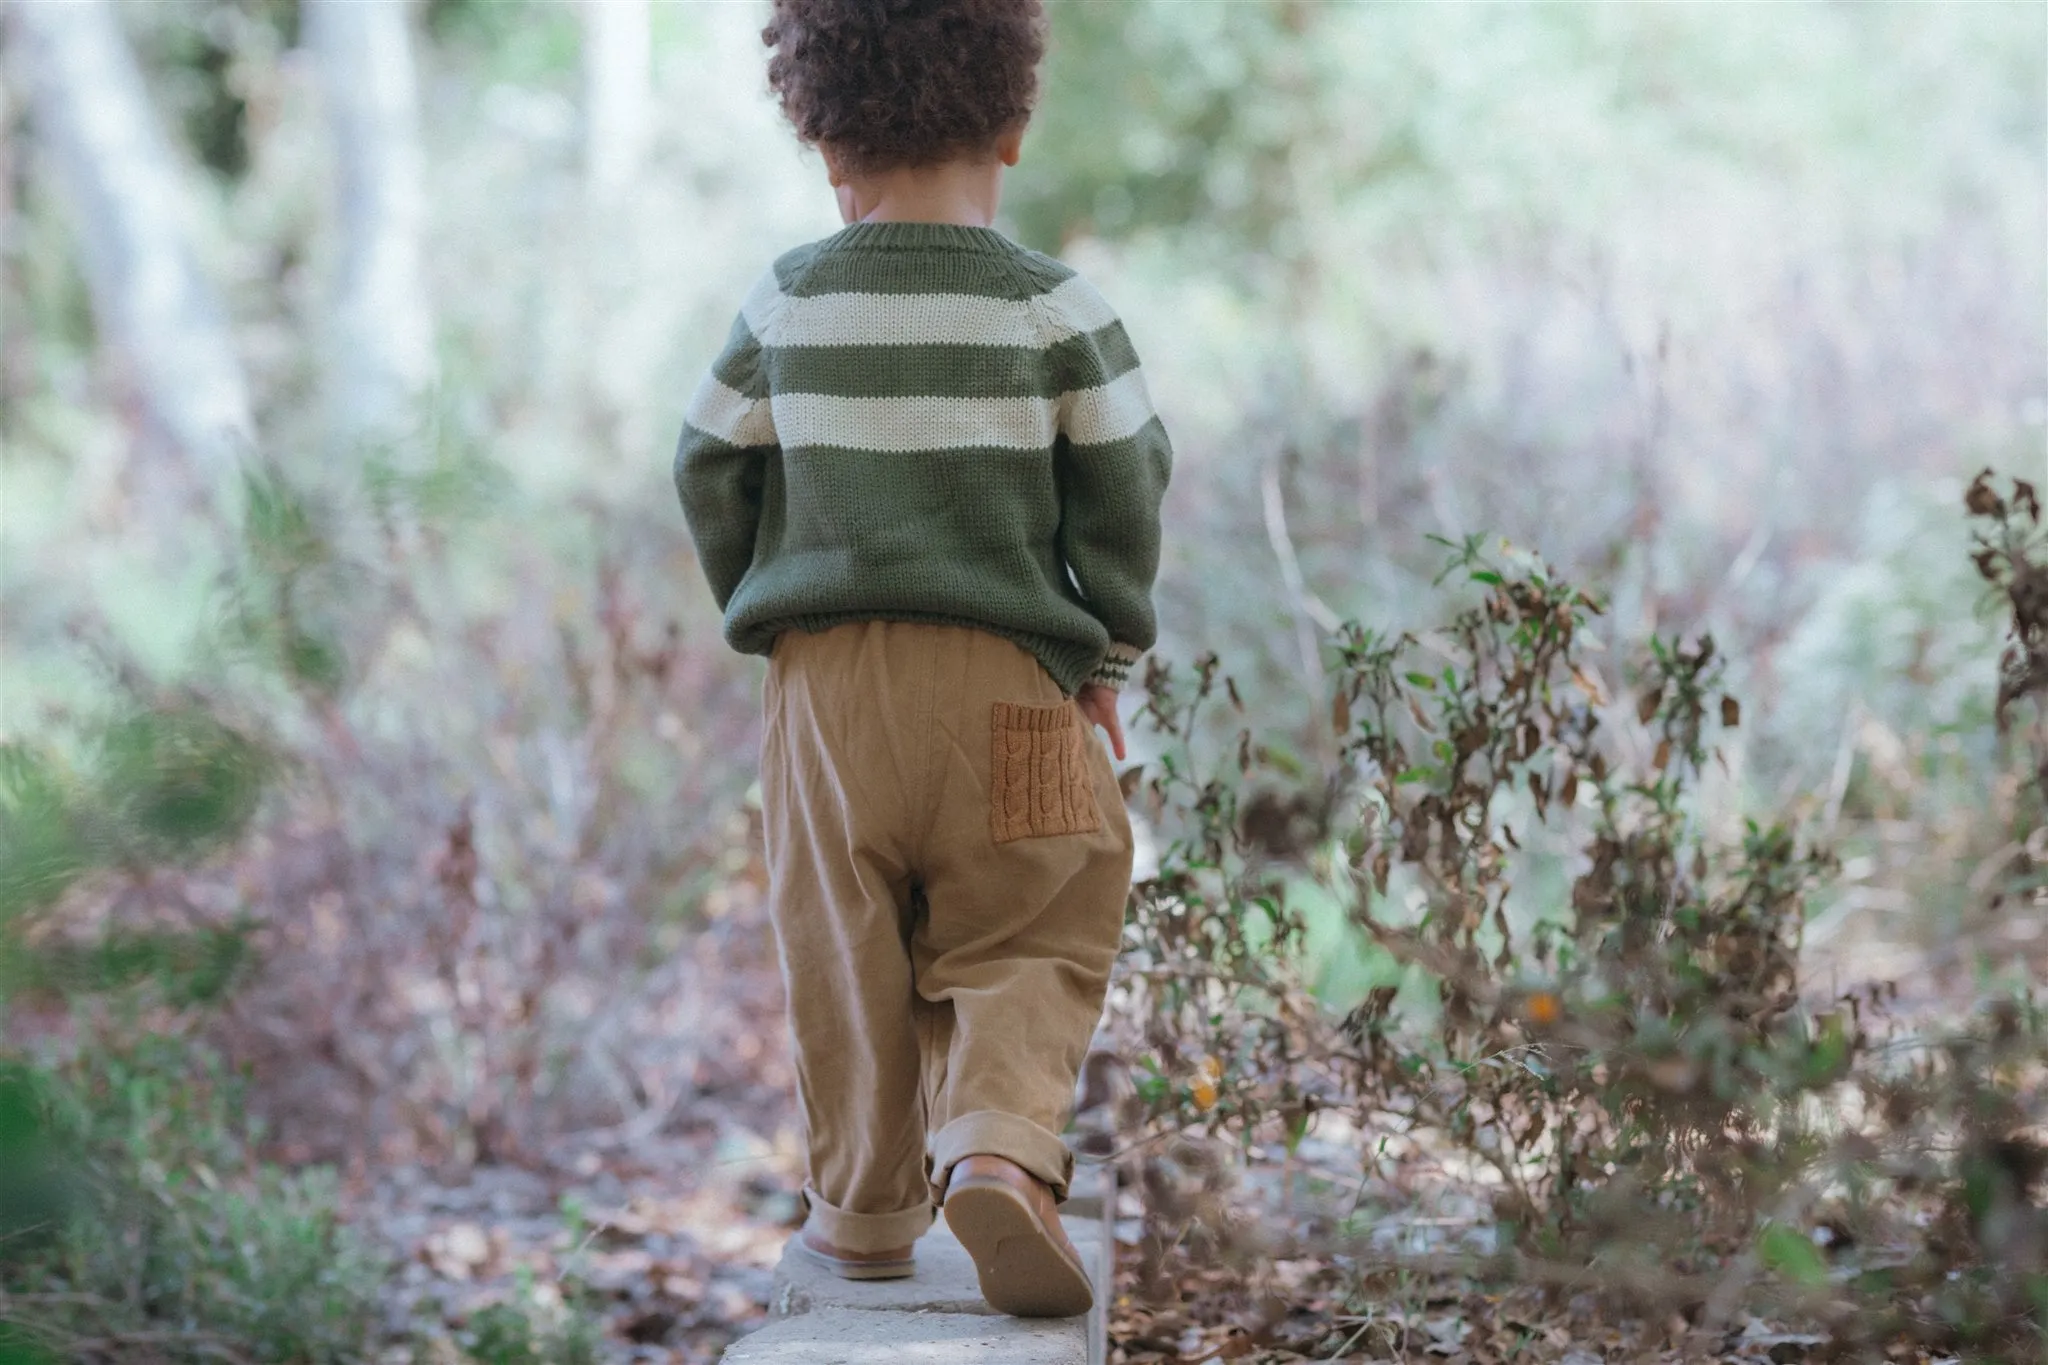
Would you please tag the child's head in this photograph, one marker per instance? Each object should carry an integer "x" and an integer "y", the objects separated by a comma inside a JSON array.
[{"x": 882, "y": 85}]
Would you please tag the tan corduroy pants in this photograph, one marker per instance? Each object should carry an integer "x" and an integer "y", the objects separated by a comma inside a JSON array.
[{"x": 948, "y": 860}]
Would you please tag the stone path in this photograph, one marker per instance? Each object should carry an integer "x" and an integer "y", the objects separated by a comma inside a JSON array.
[{"x": 937, "y": 1317}]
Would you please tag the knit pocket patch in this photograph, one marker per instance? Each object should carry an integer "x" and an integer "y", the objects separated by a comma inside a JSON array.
[{"x": 1040, "y": 785}]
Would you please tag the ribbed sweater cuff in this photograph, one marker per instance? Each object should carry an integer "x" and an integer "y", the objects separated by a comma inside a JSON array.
[{"x": 1115, "y": 669}]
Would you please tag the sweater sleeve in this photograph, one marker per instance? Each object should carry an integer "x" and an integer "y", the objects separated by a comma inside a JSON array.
[
  {"x": 1113, "y": 461},
  {"x": 721, "y": 460}
]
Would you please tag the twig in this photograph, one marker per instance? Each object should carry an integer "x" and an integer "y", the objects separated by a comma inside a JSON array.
[
  {"x": 1352, "y": 1340},
  {"x": 1845, "y": 764},
  {"x": 1310, "y": 611}
]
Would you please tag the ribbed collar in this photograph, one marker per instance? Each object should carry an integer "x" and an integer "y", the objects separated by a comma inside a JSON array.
[{"x": 921, "y": 237}]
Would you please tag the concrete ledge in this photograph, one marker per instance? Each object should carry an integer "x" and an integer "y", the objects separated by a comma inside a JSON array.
[
  {"x": 845, "y": 1336},
  {"x": 945, "y": 1281},
  {"x": 935, "y": 1317}
]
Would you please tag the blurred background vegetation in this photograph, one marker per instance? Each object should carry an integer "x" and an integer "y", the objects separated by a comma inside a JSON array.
[{"x": 374, "y": 786}]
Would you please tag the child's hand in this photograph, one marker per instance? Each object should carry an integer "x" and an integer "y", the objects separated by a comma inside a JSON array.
[{"x": 1098, "y": 703}]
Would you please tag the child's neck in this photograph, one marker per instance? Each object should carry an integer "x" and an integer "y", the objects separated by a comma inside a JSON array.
[{"x": 964, "y": 193}]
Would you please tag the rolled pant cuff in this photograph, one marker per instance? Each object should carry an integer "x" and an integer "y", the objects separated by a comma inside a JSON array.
[
  {"x": 866, "y": 1231},
  {"x": 990, "y": 1132}
]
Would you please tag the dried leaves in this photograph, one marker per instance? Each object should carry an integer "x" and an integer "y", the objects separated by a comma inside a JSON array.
[{"x": 684, "y": 1267}]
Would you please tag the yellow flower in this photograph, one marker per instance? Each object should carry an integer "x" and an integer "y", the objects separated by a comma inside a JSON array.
[
  {"x": 1203, "y": 1088},
  {"x": 1545, "y": 1009}
]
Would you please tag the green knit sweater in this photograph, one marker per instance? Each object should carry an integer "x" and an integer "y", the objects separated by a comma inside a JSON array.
[{"x": 924, "y": 422}]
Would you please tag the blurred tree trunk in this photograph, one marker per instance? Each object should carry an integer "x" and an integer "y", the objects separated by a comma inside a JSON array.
[
  {"x": 92, "y": 114},
  {"x": 381, "y": 364},
  {"x": 14, "y": 354},
  {"x": 598, "y": 277},
  {"x": 617, "y": 93}
]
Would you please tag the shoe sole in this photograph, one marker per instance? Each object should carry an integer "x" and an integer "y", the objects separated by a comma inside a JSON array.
[
  {"x": 1023, "y": 1271},
  {"x": 856, "y": 1270}
]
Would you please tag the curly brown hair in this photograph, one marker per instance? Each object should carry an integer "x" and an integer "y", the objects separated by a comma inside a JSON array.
[{"x": 888, "y": 83}]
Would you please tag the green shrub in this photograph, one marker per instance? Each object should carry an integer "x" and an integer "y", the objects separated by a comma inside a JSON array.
[
  {"x": 514, "y": 1334},
  {"x": 42, "y": 849},
  {"x": 166, "y": 785},
  {"x": 136, "y": 1218}
]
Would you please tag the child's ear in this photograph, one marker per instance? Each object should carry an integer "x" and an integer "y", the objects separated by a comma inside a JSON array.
[
  {"x": 833, "y": 171},
  {"x": 1010, "y": 145}
]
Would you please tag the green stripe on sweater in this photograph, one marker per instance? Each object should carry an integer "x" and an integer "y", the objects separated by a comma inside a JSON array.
[
  {"x": 738, "y": 366},
  {"x": 1083, "y": 362}
]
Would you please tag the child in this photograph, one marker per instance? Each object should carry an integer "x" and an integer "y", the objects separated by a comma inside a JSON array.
[{"x": 924, "y": 478}]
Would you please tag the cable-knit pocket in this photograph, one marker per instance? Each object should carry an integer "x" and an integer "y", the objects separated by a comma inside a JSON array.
[{"x": 1039, "y": 784}]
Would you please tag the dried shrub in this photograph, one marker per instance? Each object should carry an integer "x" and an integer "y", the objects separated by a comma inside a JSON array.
[
  {"x": 470, "y": 863},
  {"x": 1606, "y": 1032},
  {"x": 2011, "y": 554},
  {"x": 515, "y": 851}
]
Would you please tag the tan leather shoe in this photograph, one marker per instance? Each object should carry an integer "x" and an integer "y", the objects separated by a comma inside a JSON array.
[
  {"x": 1009, "y": 1223},
  {"x": 894, "y": 1264}
]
